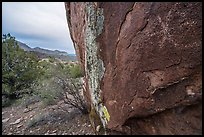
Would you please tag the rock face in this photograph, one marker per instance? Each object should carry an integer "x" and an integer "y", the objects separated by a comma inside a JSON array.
[{"x": 142, "y": 64}]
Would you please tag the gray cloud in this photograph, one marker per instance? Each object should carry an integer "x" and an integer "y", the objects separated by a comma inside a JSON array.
[{"x": 40, "y": 24}]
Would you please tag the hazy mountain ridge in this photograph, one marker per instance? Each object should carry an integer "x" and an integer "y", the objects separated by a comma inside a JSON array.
[
  {"x": 46, "y": 51},
  {"x": 24, "y": 46},
  {"x": 43, "y": 53}
]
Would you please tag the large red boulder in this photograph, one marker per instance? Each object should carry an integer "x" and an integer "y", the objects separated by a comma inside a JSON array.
[{"x": 142, "y": 64}]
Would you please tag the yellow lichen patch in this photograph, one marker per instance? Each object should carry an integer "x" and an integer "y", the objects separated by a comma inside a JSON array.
[{"x": 107, "y": 116}]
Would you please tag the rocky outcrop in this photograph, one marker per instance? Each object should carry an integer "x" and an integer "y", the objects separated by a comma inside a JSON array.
[{"x": 142, "y": 64}]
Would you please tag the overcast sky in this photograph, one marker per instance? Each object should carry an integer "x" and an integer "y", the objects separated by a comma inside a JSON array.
[{"x": 38, "y": 24}]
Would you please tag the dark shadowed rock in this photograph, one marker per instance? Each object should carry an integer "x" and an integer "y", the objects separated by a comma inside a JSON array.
[{"x": 141, "y": 61}]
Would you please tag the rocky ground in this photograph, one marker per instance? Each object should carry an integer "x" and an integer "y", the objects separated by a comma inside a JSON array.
[{"x": 57, "y": 119}]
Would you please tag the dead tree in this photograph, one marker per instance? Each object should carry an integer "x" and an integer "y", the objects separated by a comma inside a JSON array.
[{"x": 71, "y": 94}]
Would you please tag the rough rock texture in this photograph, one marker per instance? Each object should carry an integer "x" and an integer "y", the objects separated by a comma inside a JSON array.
[{"x": 142, "y": 64}]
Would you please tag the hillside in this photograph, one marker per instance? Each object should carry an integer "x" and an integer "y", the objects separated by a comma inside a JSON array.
[{"x": 44, "y": 53}]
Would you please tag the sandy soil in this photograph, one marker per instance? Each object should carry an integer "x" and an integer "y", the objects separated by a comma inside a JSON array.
[{"x": 35, "y": 120}]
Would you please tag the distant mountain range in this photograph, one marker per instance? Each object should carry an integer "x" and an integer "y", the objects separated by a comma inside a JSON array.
[{"x": 44, "y": 53}]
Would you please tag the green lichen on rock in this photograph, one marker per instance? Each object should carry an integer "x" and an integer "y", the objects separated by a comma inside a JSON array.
[{"x": 93, "y": 64}]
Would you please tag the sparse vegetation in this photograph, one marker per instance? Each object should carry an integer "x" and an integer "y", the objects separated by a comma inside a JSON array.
[
  {"x": 26, "y": 76},
  {"x": 28, "y": 81},
  {"x": 61, "y": 83}
]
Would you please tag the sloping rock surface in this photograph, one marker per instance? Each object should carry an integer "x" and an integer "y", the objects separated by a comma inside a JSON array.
[{"x": 152, "y": 59}]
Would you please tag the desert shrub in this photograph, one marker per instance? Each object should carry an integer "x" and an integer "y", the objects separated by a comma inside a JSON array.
[
  {"x": 19, "y": 68},
  {"x": 47, "y": 98},
  {"x": 52, "y": 59},
  {"x": 6, "y": 101},
  {"x": 27, "y": 100},
  {"x": 75, "y": 71},
  {"x": 48, "y": 91},
  {"x": 36, "y": 120}
]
